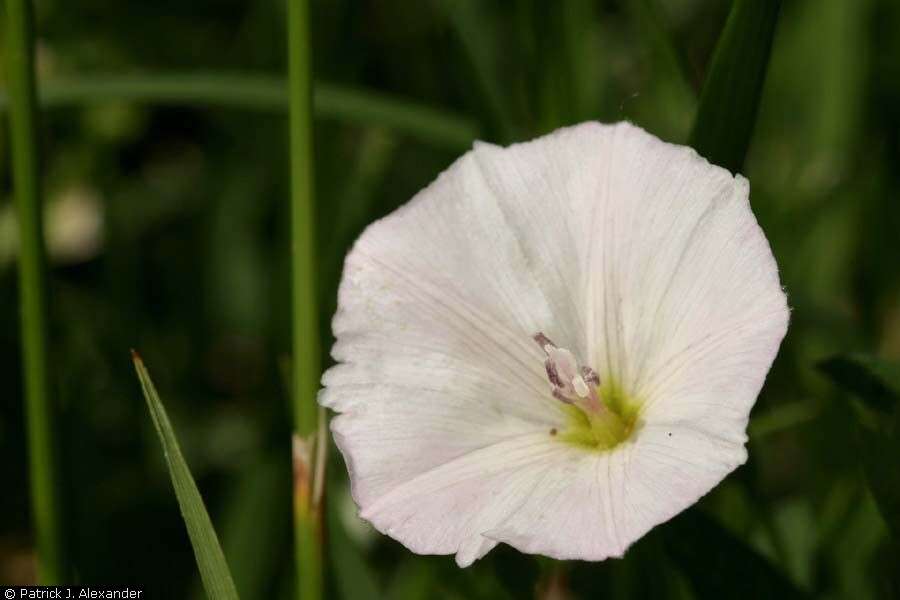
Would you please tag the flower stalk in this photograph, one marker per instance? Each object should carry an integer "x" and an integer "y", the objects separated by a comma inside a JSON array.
[
  {"x": 32, "y": 291},
  {"x": 308, "y": 452}
]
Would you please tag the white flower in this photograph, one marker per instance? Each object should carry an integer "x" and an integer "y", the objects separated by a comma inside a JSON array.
[{"x": 555, "y": 345}]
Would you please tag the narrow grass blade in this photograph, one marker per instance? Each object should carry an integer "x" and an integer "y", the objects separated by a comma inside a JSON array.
[
  {"x": 210, "y": 559},
  {"x": 734, "y": 83},
  {"x": 264, "y": 93},
  {"x": 39, "y": 409}
]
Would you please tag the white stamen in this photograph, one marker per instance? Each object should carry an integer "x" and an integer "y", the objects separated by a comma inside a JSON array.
[{"x": 580, "y": 386}]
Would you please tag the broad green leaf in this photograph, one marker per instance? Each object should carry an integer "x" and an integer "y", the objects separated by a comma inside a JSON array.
[
  {"x": 734, "y": 83},
  {"x": 876, "y": 383},
  {"x": 720, "y": 565},
  {"x": 210, "y": 559}
]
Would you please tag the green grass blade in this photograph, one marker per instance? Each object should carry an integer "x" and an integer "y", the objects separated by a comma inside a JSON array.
[
  {"x": 263, "y": 93},
  {"x": 734, "y": 83},
  {"x": 210, "y": 559},
  {"x": 39, "y": 408},
  {"x": 306, "y": 369}
]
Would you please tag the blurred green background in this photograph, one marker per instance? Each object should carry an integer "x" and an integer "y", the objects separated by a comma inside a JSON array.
[{"x": 164, "y": 155}]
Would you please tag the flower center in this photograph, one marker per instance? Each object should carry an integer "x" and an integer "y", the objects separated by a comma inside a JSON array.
[{"x": 599, "y": 416}]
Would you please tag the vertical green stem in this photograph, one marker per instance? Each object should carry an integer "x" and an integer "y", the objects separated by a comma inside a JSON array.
[
  {"x": 306, "y": 368},
  {"x": 26, "y": 182}
]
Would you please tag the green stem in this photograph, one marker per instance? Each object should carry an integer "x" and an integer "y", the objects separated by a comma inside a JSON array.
[
  {"x": 32, "y": 261},
  {"x": 306, "y": 352}
]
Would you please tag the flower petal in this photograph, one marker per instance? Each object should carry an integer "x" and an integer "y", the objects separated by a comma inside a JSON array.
[
  {"x": 437, "y": 308},
  {"x": 592, "y": 506},
  {"x": 548, "y": 190},
  {"x": 688, "y": 314},
  {"x": 684, "y": 290},
  {"x": 447, "y": 509}
]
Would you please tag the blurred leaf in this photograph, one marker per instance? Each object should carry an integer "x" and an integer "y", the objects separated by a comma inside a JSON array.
[
  {"x": 649, "y": 16},
  {"x": 210, "y": 559},
  {"x": 412, "y": 580},
  {"x": 780, "y": 418},
  {"x": 796, "y": 523},
  {"x": 876, "y": 383},
  {"x": 372, "y": 108},
  {"x": 674, "y": 99},
  {"x": 373, "y": 155},
  {"x": 263, "y": 93},
  {"x": 721, "y": 565},
  {"x": 3, "y": 150},
  {"x": 353, "y": 577},
  {"x": 851, "y": 553},
  {"x": 517, "y": 572},
  {"x": 626, "y": 578},
  {"x": 478, "y": 41},
  {"x": 254, "y": 537},
  {"x": 355, "y": 205},
  {"x": 579, "y": 54},
  {"x": 734, "y": 83},
  {"x": 881, "y": 449}
]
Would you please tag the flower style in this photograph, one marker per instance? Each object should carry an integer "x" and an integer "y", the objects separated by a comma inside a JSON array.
[{"x": 555, "y": 345}]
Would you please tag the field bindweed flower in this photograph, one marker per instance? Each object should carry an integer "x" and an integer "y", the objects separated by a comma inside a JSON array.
[{"x": 555, "y": 345}]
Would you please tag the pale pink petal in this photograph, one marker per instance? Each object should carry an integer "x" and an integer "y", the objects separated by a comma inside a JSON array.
[{"x": 638, "y": 256}]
